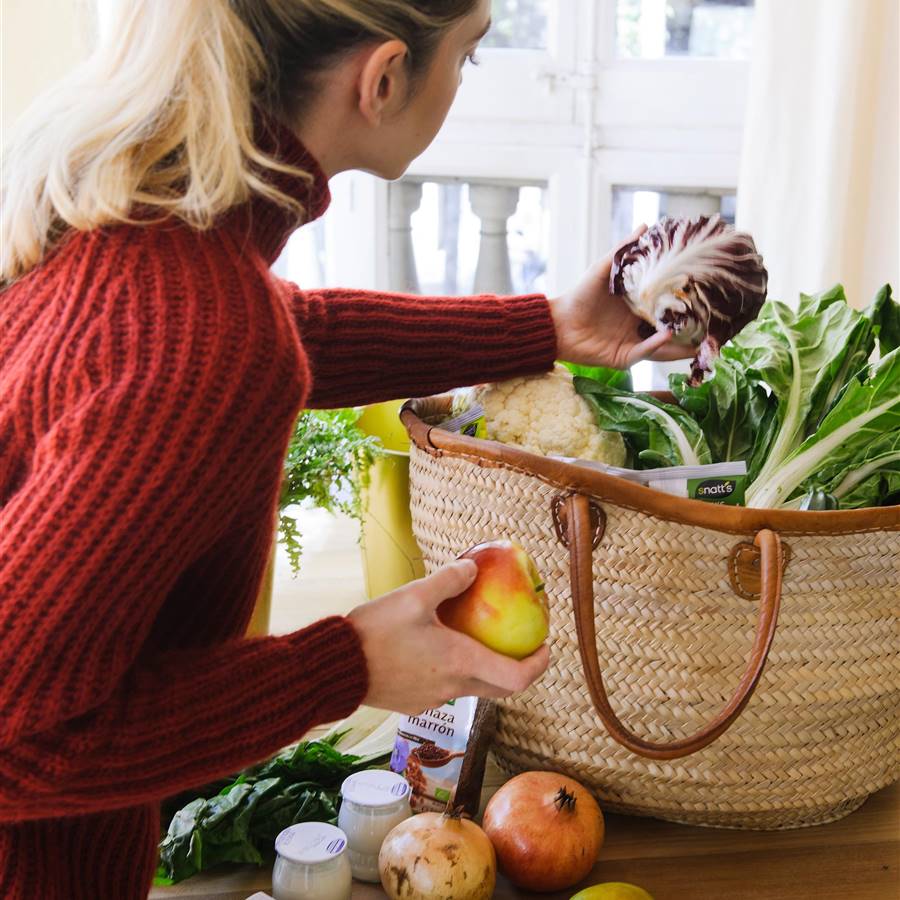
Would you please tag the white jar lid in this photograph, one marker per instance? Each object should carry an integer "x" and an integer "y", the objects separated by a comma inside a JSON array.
[
  {"x": 375, "y": 787},
  {"x": 311, "y": 843}
]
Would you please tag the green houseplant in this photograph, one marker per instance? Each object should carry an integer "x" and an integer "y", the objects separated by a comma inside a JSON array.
[{"x": 326, "y": 465}]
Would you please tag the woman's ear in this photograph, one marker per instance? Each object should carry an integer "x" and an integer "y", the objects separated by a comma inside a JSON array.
[{"x": 383, "y": 81}]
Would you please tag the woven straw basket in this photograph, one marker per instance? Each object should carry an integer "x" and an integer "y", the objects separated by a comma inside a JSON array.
[{"x": 751, "y": 658}]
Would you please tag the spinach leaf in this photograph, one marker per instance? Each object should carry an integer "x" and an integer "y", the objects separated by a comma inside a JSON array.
[
  {"x": 238, "y": 822},
  {"x": 301, "y": 802}
]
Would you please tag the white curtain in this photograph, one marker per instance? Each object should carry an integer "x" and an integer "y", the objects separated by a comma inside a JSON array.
[{"x": 819, "y": 175}]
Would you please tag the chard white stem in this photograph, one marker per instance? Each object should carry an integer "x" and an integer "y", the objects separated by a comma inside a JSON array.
[
  {"x": 802, "y": 465},
  {"x": 858, "y": 476},
  {"x": 688, "y": 455},
  {"x": 840, "y": 379},
  {"x": 790, "y": 422}
]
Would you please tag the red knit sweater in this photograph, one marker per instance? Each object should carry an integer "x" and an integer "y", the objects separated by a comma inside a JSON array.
[{"x": 149, "y": 379}]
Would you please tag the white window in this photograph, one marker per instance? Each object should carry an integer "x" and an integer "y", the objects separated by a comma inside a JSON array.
[{"x": 583, "y": 119}]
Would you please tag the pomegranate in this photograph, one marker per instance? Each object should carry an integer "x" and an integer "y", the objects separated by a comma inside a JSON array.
[{"x": 547, "y": 830}]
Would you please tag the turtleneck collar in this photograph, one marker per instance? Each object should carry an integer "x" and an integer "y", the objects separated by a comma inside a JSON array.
[{"x": 268, "y": 224}]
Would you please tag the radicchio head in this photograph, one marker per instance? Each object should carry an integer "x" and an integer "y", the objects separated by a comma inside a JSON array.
[{"x": 699, "y": 278}]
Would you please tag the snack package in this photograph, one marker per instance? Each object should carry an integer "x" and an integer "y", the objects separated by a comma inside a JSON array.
[
  {"x": 723, "y": 483},
  {"x": 429, "y": 751},
  {"x": 471, "y": 422},
  {"x": 716, "y": 483}
]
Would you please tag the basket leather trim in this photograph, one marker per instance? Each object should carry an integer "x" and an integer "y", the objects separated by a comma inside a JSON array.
[
  {"x": 744, "y": 568},
  {"x": 567, "y": 477},
  {"x": 561, "y": 520}
]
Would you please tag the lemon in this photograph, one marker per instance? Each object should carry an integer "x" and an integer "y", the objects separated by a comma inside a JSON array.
[{"x": 613, "y": 890}]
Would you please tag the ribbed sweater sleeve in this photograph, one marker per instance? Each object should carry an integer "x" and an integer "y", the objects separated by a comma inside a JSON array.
[
  {"x": 167, "y": 393},
  {"x": 182, "y": 720},
  {"x": 366, "y": 346}
]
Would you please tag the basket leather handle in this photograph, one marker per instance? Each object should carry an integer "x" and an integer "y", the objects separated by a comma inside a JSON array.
[{"x": 581, "y": 536}]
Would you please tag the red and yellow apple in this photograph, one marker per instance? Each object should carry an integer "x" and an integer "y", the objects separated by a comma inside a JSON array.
[{"x": 505, "y": 607}]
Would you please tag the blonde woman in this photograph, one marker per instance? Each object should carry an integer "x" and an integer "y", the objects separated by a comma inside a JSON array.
[{"x": 151, "y": 368}]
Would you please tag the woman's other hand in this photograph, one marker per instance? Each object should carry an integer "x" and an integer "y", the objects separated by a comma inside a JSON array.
[
  {"x": 596, "y": 328},
  {"x": 416, "y": 663}
]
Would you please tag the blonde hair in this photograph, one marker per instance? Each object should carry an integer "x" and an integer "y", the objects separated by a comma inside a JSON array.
[{"x": 161, "y": 116}]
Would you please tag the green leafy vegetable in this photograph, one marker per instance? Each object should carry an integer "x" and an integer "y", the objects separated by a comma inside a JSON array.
[
  {"x": 658, "y": 434},
  {"x": 617, "y": 378},
  {"x": 805, "y": 357},
  {"x": 238, "y": 822},
  {"x": 860, "y": 345},
  {"x": 884, "y": 314},
  {"x": 868, "y": 479},
  {"x": 326, "y": 464},
  {"x": 793, "y": 395},
  {"x": 865, "y": 412},
  {"x": 737, "y": 415}
]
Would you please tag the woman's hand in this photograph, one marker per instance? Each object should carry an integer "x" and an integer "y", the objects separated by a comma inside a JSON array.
[
  {"x": 596, "y": 328},
  {"x": 416, "y": 663}
]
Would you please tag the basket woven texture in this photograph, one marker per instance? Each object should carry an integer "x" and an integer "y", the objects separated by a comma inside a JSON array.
[{"x": 822, "y": 730}]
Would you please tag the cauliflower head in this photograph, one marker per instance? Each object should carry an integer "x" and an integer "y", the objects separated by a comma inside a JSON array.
[{"x": 543, "y": 414}]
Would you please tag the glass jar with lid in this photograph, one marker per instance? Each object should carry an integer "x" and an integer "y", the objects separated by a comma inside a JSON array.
[
  {"x": 312, "y": 863},
  {"x": 373, "y": 802}
]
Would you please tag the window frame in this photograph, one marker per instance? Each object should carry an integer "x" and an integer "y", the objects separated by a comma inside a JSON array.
[{"x": 567, "y": 117}]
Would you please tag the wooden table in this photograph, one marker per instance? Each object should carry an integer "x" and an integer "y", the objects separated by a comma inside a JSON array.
[{"x": 857, "y": 858}]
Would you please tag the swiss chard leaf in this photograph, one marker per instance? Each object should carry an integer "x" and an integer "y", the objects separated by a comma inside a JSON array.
[
  {"x": 885, "y": 316},
  {"x": 866, "y": 480},
  {"x": 806, "y": 357},
  {"x": 737, "y": 414},
  {"x": 859, "y": 346},
  {"x": 865, "y": 412},
  {"x": 617, "y": 378},
  {"x": 658, "y": 434}
]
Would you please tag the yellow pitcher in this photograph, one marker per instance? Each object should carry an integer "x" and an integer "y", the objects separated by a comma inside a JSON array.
[{"x": 391, "y": 557}]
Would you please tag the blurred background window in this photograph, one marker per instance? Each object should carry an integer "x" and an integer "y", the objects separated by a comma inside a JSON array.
[
  {"x": 634, "y": 206},
  {"x": 518, "y": 24},
  {"x": 650, "y": 29},
  {"x": 583, "y": 119},
  {"x": 447, "y": 238}
]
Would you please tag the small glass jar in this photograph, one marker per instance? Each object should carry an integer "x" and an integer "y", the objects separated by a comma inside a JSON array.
[
  {"x": 373, "y": 802},
  {"x": 312, "y": 863}
]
